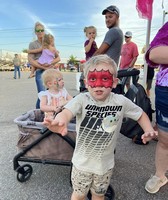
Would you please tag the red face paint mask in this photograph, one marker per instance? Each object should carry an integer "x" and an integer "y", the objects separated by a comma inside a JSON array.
[{"x": 100, "y": 79}]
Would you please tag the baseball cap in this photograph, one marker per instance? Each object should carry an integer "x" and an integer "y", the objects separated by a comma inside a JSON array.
[
  {"x": 112, "y": 9},
  {"x": 128, "y": 34}
]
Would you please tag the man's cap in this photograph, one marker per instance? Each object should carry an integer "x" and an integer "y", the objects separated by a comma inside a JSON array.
[
  {"x": 112, "y": 9},
  {"x": 128, "y": 34}
]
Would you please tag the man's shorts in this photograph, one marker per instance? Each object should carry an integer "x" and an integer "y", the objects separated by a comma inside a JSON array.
[
  {"x": 83, "y": 181},
  {"x": 161, "y": 104}
]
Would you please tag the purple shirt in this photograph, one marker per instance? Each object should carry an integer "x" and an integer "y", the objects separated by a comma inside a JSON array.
[
  {"x": 92, "y": 49},
  {"x": 161, "y": 39}
]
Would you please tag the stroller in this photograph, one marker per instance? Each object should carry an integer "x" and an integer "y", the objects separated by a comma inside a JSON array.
[{"x": 37, "y": 144}]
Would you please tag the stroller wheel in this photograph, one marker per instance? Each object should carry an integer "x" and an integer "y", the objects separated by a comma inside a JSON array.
[
  {"x": 110, "y": 194},
  {"x": 24, "y": 172}
]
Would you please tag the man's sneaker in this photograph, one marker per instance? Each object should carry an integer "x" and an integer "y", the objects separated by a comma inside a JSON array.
[{"x": 154, "y": 184}]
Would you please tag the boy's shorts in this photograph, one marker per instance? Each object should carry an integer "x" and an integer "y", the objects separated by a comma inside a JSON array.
[
  {"x": 161, "y": 104},
  {"x": 83, "y": 181}
]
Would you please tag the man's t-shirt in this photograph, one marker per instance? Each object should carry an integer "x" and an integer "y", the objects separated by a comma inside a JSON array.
[
  {"x": 128, "y": 52},
  {"x": 114, "y": 38}
]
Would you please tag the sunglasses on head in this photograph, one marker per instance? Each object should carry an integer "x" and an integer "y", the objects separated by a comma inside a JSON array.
[{"x": 39, "y": 30}]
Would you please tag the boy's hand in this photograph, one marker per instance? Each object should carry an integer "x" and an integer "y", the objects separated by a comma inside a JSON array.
[
  {"x": 55, "y": 126},
  {"x": 147, "y": 136}
]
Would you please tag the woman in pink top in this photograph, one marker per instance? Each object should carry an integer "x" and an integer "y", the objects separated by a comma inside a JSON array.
[{"x": 156, "y": 55}]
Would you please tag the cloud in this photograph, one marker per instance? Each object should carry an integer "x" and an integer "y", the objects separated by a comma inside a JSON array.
[{"x": 60, "y": 24}]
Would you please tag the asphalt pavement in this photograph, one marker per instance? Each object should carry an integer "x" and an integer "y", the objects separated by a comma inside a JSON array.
[{"x": 134, "y": 163}]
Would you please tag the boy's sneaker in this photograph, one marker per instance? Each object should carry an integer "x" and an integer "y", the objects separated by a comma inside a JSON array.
[{"x": 154, "y": 184}]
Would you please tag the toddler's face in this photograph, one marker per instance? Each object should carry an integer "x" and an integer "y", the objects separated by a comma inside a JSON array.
[
  {"x": 60, "y": 82},
  {"x": 91, "y": 33},
  {"x": 100, "y": 81}
]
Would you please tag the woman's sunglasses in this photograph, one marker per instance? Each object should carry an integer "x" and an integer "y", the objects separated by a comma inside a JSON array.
[{"x": 40, "y": 30}]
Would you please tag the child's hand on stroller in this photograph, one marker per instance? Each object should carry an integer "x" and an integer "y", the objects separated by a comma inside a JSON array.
[
  {"x": 55, "y": 126},
  {"x": 147, "y": 136}
]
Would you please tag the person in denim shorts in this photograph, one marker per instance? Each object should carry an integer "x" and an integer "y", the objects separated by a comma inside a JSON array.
[
  {"x": 157, "y": 54},
  {"x": 99, "y": 115}
]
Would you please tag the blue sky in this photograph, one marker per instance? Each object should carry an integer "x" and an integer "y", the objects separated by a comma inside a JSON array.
[{"x": 66, "y": 19}]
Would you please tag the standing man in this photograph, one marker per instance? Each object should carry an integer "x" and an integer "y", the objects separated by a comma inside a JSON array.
[
  {"x": 17, "y": 63},
  {"x": 129, "y": 54},
  {"x": 113, "y": 39}
]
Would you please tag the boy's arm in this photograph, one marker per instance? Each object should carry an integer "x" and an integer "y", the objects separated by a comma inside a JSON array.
[
  {"x": 145, "y": 124},
  {"x": 69, "y": 97},
  {"x": 60, "y": 123}
]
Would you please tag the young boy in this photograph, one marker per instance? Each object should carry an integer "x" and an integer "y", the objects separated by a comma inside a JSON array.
[{"x": 99, "y": 114}]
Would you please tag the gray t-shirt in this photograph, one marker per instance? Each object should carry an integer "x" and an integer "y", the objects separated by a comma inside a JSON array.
[
  {"x": 35, "y": 45},
  {"x": 98, "y": 125},
  {"x": 114, "y": 38}
]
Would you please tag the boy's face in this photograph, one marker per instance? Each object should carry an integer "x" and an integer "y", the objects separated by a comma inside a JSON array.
[{"x": 100, "y": 81}]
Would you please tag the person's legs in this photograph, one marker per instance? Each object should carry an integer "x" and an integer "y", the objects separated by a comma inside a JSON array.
[
  {"x": 32, "y": 73},
  {"x": 39, "y": 84},
  {"x": 15, "y": 69},
  {"x": 81, "y": 182},
  {"x": 148, "y": 87},
  {"x": 95, "y": 197},
  {"x": 18, "y": 69},
  {"x": 76, "y": 197},
  {"x": 161, "y": 157},
  {"x": 161, "y": 163}
]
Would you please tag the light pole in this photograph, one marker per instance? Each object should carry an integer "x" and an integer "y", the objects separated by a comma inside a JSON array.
[{"x": 164, "y": 14}]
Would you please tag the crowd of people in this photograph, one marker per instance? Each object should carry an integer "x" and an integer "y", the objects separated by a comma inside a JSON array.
[{"x": 99, "y": 112}]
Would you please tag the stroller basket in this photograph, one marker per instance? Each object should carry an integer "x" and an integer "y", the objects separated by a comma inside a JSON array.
[{"x": 40, "y": 145}]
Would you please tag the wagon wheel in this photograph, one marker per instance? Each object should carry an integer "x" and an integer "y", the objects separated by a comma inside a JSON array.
[
  {"x": 110, "y": 194},
  {"x": 24, "y": 172}
]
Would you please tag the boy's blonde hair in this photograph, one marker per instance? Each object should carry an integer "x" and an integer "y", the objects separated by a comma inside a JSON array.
[
  {"x": 99, "y": 59},
  {"x": 89, "y": 27},
  {"x": 49, "y": 75},
  {"x": 47, "y": 40}
]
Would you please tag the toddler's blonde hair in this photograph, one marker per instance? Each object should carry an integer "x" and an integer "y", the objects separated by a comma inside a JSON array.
[
  {"x": 86, "y": 29},
  {"x": 49, "y": 75},
  {"x": 47, "y": 40}
]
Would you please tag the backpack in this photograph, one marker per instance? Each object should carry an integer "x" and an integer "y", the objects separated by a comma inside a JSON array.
[{"x": 130, "y": 128}]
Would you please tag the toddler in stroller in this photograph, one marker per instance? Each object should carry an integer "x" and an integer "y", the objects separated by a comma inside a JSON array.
[{"x": 56, "y": 96}]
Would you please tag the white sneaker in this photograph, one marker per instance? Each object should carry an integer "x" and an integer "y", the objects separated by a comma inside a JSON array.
[{"x": 154, "y": 184}]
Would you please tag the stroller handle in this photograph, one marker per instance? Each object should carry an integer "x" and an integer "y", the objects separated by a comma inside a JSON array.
[{"x": 127, "y": 73}]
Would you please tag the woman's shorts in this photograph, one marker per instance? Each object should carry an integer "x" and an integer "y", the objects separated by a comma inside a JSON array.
[
  {"x": 83, "y": 181},
  {"x": 161, "y": 104}
]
